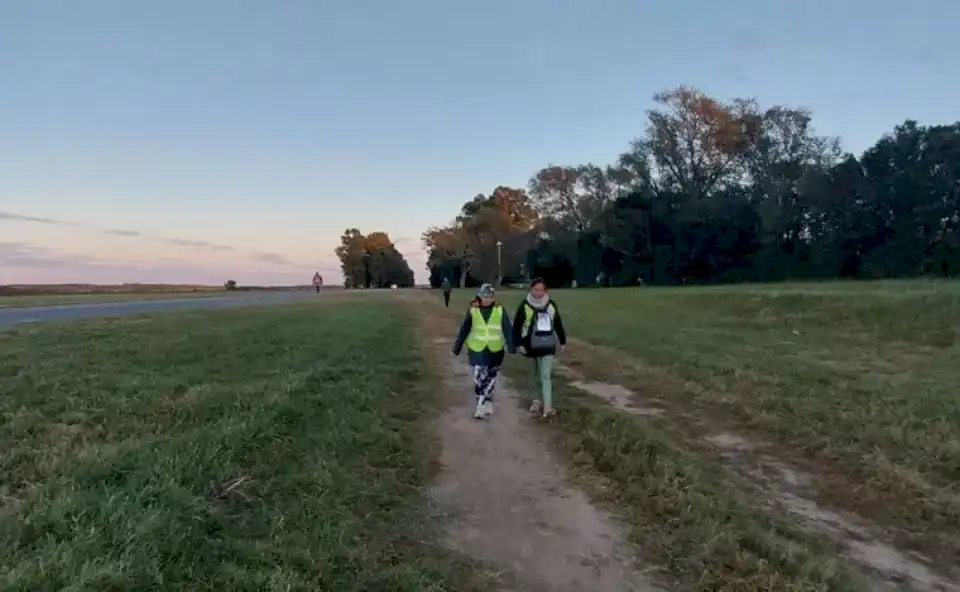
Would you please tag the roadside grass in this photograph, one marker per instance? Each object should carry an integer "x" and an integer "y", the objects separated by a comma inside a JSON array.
[
  {"x": 62, "y": 299},
  {"x": 274, "y": 448},
  {"x": 683, "y": 512}
]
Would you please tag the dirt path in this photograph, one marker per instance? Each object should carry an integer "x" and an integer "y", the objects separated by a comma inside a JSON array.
[
  {"x": 772, "y": 477},
  {"x": 507, "y": 502}
]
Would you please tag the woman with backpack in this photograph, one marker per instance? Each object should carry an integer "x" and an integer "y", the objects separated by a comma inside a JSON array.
[{"x": 538, "y": 333}]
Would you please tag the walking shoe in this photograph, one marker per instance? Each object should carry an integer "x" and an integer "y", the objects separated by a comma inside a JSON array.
[
  {"x": 488, "y": 408},
  {"x": 479, "y": 412},
  {"x": 549, "y": 412},
  {"x": 535, "y": 407}
]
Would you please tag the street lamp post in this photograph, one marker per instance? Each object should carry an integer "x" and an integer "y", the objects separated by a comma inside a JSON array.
[{"x": 499, "y": 265}]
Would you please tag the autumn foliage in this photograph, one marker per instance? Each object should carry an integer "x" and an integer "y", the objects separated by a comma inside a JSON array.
[
  {"x": 372, "y": 261},
  {"x": 468, "y": 245},
  {"x": 720, "y": 191}
]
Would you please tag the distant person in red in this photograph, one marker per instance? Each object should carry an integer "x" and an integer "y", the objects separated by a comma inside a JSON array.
[{"x": 317, "y": 281}]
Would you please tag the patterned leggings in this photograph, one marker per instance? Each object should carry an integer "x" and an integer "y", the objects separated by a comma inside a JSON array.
[{"x": 484, "y": 381}]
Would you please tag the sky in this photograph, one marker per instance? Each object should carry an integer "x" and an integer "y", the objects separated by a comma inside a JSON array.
[{"x": 185, "y": 141}]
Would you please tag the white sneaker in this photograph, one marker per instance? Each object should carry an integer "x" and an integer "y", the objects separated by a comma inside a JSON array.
[
  {"x": 535, "y": 407},
  {"x": 479, "y": 412},
  {"x": 488, "y": 408}
]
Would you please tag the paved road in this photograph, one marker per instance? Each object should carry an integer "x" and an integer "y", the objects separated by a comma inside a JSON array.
[{"x": 12, "y": 316}]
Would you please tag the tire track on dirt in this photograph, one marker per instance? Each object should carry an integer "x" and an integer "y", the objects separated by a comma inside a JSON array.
[{"x": 781, "y": 486}]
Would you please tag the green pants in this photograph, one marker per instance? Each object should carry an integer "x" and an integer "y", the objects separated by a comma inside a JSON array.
[{"x": 543, "y": 375}]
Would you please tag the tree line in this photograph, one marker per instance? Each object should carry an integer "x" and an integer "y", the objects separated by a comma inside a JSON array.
[
  {"x": 719, "y": 191},
  {"x": 372, "y": 261}
]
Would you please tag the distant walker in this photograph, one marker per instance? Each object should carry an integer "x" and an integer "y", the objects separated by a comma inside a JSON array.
[
  {"x": 447, "y": 288},
  {"x": 317, "y": 281}
]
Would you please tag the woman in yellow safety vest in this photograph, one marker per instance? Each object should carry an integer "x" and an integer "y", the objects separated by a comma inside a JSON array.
[
  {"x": 486, "y": 332},
  {"x": 538, "y": 333}
]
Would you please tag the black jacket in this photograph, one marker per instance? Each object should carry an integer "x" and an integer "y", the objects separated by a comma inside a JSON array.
[{"x": 519, "y": 339}]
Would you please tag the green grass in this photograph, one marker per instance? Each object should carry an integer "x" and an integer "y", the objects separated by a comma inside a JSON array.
[
  {"x": 278, "y": 448},
  {"x": 866, "y": 374},
  {"x": 866, "y": 370},
  {"x": 61, "y": 299},
  {"x": 855, "y": 380}
]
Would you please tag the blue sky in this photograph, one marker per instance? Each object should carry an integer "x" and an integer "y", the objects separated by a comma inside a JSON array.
[{"x": 192, "y": 141}]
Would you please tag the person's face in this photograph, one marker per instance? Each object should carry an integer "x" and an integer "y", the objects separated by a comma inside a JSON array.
[
  {"x": 486, "y": 301},
  {"x": 538, "y": 291}
]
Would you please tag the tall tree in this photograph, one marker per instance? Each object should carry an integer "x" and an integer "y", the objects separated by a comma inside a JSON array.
[
  {"x": 468, "y": 246},
  {"x": 448, "y": 253},
  {"x": 372, "y": 261},
  {"x": 695, "y": 144},
  {"x": 694, "y": 140},
  {"x": 352, "y": 253},
  {"x": 571, "y": 200},
  {"x": 781, "y": 158}
]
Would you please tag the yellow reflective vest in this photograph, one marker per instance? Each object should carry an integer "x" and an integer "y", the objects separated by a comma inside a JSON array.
[{"x": 486, "y": 333}]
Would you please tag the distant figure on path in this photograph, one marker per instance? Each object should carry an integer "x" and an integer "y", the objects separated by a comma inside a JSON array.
[
  {"x": 447, "y": 288},
  {"x": 486, "y": 331},
  {"x": 538, "y": 333},
  {"x": 317, "y": 281}
]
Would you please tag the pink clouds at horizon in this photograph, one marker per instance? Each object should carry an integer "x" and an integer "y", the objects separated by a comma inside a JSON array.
[
  {"x": 40, "y": 250},
  {"x": 22, "y": 263},
  {"x": 26, "y": 263},
  {"x": 44, "y": 267},
  {"x": 162, "y": 273}
]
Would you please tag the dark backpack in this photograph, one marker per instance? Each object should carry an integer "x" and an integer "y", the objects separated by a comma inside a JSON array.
[{"x": 543, "y": 335}]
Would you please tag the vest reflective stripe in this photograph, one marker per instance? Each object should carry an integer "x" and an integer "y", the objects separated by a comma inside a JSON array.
[
  {"x": 486, "y": 334},
  {"x": 532, "y": 312}
]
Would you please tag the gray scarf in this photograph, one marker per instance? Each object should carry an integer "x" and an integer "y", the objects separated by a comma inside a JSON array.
[{"x": 538, "y": 304}]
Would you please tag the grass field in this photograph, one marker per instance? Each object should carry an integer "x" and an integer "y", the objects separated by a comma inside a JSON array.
[
  {"x": 864, "y": 369},
  {"x": 854, "y": 381},
  {"x": 864, "y": 374},
  {"x": 285, "y": 447},
  {"x": 264, "y": 449}
]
